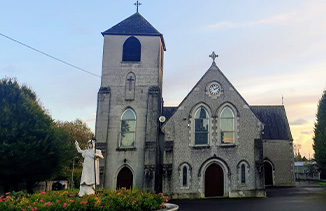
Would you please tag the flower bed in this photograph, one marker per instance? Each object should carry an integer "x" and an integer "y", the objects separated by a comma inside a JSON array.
[{"x": 68, "y": 200}]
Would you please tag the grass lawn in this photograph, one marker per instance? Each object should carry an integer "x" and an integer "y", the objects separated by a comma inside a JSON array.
[{"x": 322, "y": 183}]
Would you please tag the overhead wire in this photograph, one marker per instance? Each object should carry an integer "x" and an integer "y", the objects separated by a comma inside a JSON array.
[{"x": 48, "y": 55}]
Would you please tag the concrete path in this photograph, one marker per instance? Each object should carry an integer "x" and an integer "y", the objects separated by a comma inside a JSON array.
[{"x": 304, "y": 196}]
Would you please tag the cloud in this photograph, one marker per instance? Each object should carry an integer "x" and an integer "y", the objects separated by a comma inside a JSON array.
[
  {"x": 279, "y": 19},
  {"x": 311, "y": 12},
  {"x": 307, "y": 132},
  {"x": 299, "y": 122}
]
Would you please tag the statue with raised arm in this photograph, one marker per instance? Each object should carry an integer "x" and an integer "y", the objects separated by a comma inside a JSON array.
[{"x": 90, "y": 168}]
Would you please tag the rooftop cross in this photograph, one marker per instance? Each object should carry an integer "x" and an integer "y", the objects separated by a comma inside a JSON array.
[
  {"x": 213, "y": 56},
  {"x": 137, "y": 4}
]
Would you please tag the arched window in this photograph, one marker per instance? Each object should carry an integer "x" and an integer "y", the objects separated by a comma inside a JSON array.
[
  {"x": 184, "y": 176},
  {"x": 243, "y": 169},
  {"x": 227, "y": 125},
  {"x": 128, "y": 128},
  {"x": 131, "y": 50},
  {"x": 243, "y": 173},
  {"x": 201, "y": 126}
]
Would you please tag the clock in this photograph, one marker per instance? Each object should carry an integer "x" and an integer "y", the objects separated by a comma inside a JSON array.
[{"x": 214, "y": 89}]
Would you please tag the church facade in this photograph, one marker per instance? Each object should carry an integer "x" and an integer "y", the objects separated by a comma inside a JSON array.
[{"x": 212, "y": 144}]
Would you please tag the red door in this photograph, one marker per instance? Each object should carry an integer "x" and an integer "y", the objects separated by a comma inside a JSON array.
[
  {"x": 214, "y": 181},
  {"x": 124, "y": 178}
]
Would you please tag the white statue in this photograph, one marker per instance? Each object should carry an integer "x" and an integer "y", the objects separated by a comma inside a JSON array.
[{"x": 87, "y": 182}]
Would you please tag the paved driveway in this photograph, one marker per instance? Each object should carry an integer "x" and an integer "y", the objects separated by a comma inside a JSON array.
[{"x": 305, "y": 197}]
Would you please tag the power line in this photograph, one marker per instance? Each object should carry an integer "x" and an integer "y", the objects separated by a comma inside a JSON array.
[{"x": 48, "y": 55}]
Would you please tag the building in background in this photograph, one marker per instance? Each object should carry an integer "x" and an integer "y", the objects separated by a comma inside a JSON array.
[{"x": 306, "y": 170}]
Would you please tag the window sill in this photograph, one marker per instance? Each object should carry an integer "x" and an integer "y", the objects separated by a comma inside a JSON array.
[
  {"x": 126, "y": 149},
  {"x": 227, "y": 145},
  {"x": 130, "y": 62},
  {"x": 200, "y": 146}
]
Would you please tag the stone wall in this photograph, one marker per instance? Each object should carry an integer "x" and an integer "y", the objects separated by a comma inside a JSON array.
[
  {"x": 179, "y": 130},
  {"x": 280, "y": 154}
]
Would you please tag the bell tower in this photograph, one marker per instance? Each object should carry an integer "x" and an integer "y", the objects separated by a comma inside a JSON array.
[{"x": 130, "y": 103}]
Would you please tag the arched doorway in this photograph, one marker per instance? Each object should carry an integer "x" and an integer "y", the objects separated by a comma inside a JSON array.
[
  {"x": 268, "y": 170},
  {"x": 214, "y": 181},
  {"x": 125, "y": 178}
]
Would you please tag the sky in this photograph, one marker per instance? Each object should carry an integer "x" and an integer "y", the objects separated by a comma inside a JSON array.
[{"x": 267, "y": 49}]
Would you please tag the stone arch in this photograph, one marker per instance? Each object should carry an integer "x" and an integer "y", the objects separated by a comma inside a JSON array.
[
  {"x": 196, "y": 106},
  {"x": 269, "y": 171},
  {"x": 231, "y": 105},
  {"x": 185, "y": 175},
  {"x": 227, "y": 135},
  {"x": 218, "y": 167},
  {"x": 243, "y": 169},
  {"x": 192, "y": 123},
  {"x": 124, "y": 177}
]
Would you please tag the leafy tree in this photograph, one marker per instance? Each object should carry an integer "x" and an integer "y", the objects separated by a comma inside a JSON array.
[
  {"x": 76, "y": 130},
  {"x": 320, "y": 135},
  {"x": 32, "y": 147}
]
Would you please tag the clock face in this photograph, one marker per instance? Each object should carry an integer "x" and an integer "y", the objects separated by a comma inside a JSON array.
[{"x": 214, "y": 89}]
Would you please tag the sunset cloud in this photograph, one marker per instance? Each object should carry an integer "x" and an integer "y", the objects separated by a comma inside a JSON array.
[{"x": 299, "y": 122}]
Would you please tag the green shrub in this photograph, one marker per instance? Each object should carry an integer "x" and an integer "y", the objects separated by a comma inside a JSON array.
[{"x": 68, "y": 200}]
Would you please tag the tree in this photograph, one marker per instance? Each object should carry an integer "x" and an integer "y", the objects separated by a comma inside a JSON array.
[
  {"x": 77, "y": 130},
  {"x": 32, "y": 147},
  {"x": 320, "y": 135}
]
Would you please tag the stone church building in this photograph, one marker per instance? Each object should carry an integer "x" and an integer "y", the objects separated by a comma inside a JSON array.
[{"x": 212, "y": 144}]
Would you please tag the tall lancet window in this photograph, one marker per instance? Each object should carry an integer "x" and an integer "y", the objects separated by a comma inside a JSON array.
[
  {"x": 227, "y": 126},
  {"x": 201, "y": 126},
  {"x": 130, "y": 86},
  {"x": 131, "y": 50},
  {"x": 128, "y": 128},
  {"x": 184, "y": 176},
  {"x": 243, "y": 173}
]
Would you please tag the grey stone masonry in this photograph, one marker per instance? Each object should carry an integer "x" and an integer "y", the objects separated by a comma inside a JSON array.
[
  {"x": 212, "y": 144},
  {"x": 179, "y": 130},
  {"x": 135, "y": 85}
]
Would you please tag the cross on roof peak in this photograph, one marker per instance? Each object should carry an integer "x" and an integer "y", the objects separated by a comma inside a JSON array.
[
  {"x": 137, "y": 4},
  {"x": 213, "y": 56}
]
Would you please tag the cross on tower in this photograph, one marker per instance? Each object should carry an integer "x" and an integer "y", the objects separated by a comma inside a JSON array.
[
  {"x": 137, "y": 4},
  {"x": 213, "y": 56},
  {"x": 130, "y": 79}
]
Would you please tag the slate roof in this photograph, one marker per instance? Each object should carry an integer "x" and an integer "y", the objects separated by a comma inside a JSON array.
[
  {"x": 276, "y": 125},
  {"x": 168, "y": 111},
  {"x": 136, "y": 24}
]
